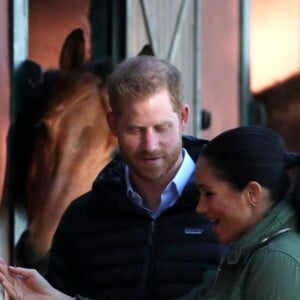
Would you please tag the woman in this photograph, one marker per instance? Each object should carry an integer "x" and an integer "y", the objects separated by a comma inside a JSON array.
[
  {"x": 243, "y": 182},
  {"x": 242, "y": 176}
]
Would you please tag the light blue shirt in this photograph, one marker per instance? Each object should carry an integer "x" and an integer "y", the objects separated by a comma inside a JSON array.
[{"x": 172, "y": 191}]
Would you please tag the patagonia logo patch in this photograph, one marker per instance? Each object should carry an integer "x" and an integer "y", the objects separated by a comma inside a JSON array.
[{"x": 193, "y": 230}]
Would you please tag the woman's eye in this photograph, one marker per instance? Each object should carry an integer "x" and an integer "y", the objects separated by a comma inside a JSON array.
[{"x": 207, "y": 193}]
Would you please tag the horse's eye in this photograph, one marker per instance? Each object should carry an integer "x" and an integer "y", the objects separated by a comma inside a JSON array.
[{"x": 41, "y": 129}]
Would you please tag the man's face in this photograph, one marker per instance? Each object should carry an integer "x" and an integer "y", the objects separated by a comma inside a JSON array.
[{"x": 149, "y": 135}]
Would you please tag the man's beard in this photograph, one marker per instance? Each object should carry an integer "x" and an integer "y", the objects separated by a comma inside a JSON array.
[{"x": 155, "y": 173}]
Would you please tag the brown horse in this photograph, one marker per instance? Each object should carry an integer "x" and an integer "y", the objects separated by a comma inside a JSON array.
[
  {"x": 73, "y": 143},
  {"x": 282, "y": 103}
]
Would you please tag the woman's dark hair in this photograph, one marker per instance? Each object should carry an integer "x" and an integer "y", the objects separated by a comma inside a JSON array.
[{"x": 251, "y": 153}]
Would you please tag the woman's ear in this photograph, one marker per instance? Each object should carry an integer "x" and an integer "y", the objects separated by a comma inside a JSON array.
[{"x": 254, "y": 191}]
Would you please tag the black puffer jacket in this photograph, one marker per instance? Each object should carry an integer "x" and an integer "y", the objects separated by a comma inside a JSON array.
[{"x": 108, "y": 248}]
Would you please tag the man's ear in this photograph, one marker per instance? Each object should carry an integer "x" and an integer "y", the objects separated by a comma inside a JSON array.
[
  {"x": 184, "y": 116},
  {"x": 254, "y": 191},
  {"x": 112, "y": 122}
]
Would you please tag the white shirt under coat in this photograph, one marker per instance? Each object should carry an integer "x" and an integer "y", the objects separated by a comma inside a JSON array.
[{"x": 172, "y": 191}]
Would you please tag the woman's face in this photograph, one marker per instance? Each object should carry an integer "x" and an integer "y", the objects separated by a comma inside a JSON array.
[{"x": 230, "y": 211}]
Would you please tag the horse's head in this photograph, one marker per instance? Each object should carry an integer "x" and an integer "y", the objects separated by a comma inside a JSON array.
[{"x": 72, "y": 144}]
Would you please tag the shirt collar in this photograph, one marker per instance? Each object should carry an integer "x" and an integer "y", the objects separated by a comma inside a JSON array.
[
  {"x": 184, "y": 173},
  {"x": 178, "y": 183}
]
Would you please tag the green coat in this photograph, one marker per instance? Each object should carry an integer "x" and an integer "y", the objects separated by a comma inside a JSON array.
[{"x": 255, "y": 269}]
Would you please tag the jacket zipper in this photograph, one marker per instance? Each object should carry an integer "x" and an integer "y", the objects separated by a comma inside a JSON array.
[
  {"x": 150, "y": 243},
  {"x": 149, "y": 264}
]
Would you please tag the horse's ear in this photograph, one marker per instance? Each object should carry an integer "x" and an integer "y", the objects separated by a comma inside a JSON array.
[
  {"x": 147, "y": 50},
  {"x": 29, "y": 79},
  {"x": 32, "y": 72},
  {"x": 73, "y": 52}
]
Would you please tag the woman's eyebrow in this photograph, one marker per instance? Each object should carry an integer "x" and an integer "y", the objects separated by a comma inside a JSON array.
[{"x": 202, "y": 186}]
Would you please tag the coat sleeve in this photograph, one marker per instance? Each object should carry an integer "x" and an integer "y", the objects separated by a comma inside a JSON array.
[
  {"x": 273, "y": 275},
  {"x": 198, "y": 292}
]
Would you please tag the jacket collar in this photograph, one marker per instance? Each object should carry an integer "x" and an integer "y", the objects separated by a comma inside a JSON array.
[{"x": 279, "y": 220}]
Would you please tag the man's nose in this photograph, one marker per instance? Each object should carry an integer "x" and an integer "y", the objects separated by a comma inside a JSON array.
[{"x": 150, "y": 140}]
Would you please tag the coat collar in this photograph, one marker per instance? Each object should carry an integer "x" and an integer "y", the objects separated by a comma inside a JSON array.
[{"x": 279, "y": 220}]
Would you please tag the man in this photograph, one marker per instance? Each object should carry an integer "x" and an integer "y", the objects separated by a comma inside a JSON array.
[{"x": 136, "y": 234}]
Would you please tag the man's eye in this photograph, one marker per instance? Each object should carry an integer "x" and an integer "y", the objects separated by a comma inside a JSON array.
[
  {"x": 162, "y": 128},
  {"x": 209, "y": 194},
  {"x": 134, "y": 130}
]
